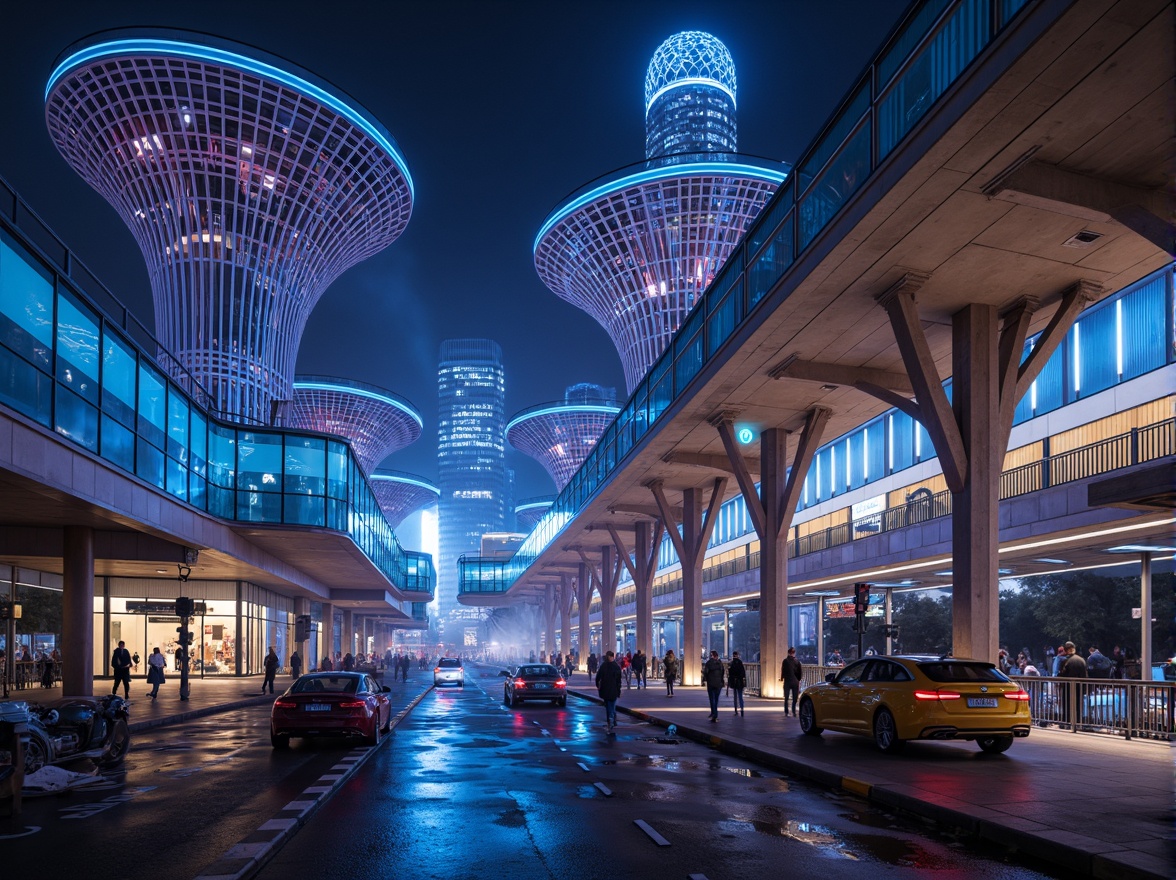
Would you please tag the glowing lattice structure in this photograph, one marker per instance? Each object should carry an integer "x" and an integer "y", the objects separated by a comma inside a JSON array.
[
  {"x": 560, "y": 435},
  {"x": 400, "y": 494},
  {"x": 377, "y": 422},
  {"x": 637, "y": 249},
  {"x": 248, "y": 184},
  {"x": 529, "y": 511}
]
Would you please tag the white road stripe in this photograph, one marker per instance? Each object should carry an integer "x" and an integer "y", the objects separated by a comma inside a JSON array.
[
  {"x": 604, "y": 788},
  {"x": 582, "y": 766},
  {"x": 653, "y": 835}
]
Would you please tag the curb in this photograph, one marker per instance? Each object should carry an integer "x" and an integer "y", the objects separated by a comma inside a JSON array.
[
  {"x": 250, "y": 855},
  {"x": 203, "y": 711},
  {"x": 1093, "y": 862}
]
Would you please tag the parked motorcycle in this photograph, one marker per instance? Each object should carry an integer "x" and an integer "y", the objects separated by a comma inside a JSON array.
[{"x": 78, "y": 727}]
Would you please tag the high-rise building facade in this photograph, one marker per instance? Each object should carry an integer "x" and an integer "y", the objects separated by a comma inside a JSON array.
[
  {"x": 471, "y": 463},
  {"x": 637, "y": 250},
  {"x": 249, "y": 185}
]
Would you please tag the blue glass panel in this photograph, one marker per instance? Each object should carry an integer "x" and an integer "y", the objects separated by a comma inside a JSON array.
[
  {"x": 1144, "y": 345},
  {"x": 306, "y": 510},
  {"x": 306, "y": 466},
  {"x": 840, "y": 179},
  {"x": 118, "y": 444},
  {"x": 259, "y": 461},
  {"x": 152, "y": 409},
  {"x": 337, "y": 459},
  {"x": 197, "y": 491},
  {"x": 770, "y": 264},
  {"x": 149, "y": 463},
  {"x": 222, "y": 456},
  {"x": 177, "y": 478},
  {"x": 688, "y": 357},
  {"x": 177, "y": 425},
  {"x": 259, "y": 507},
  {"x": 1096, "y": 342},
  {"x": 1009, "y": 8},
  {"x": 25, "y": 388},
  {"x": 936, "y": 67},
  {"x": 901, "y": 441},
  {"x": 77, "y": 347},
  {"x": 221, "y": 501},
  {"x": 661, "y": 391},
  {"x": 765, "y": 225},
  {"x": 831, "y": 140},
  {"x": 76, "y": 419},
  {"x": 911, "y": 36},
  {"x": 724, "y": 317},
  {"x": 119, "y": 368},
  {"x": 198, "y": 450},
  {"x": 26, "y": 303},
  {"x": 336, "y": 515}
]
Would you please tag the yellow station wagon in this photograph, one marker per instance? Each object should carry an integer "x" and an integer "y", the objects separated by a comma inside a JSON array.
[{"x": 894, "y": 699}]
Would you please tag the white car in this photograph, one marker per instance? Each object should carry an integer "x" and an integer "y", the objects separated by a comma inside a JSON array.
[{"x": 449, "y": 671}]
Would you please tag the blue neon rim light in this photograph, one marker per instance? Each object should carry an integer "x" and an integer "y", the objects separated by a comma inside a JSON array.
[
  {"x": 560, "y": 410},
  {"x": 360, "y": 392},
  {"x": 691, "y": 81},
  {"x": 408, "y": 481},
  {"x": 240, "y": 62},
  {"x": 728, "y": 169}
]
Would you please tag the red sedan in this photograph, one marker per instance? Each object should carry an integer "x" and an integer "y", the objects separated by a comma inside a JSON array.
[{"x": 331, "y": 704}]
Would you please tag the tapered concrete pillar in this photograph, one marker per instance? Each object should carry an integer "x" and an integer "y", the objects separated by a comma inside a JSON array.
[
  {"x": 326, "y": 646},
  {"x": 584, "y": 603},
  {"x": 302, "y": 607},
  {"x": 567, "y": 596},
  {"x": 347, "y": 636},
  {"x": 77, "y": 612}
]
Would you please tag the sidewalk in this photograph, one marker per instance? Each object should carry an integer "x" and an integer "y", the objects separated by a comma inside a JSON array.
[{"x": 1098, "y": 806}]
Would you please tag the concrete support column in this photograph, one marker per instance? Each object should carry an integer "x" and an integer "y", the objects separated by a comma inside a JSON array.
[
  {"x": 301, "y": 607},
  {"x": 1145, "y": 609},
  {"x": 584, "y": 603},
  {"x": 77, "y": 612},
  {"x": 566, "y": 597},
  {"x": 326, "y": 646},
  {"x": 773, "y": 559},
  {"x": 888, "y": 608},
  {"x": 347, "y": 636},
  {"x": 608, "y": 600},
  {"x": 974, "y": 528},
  {"x": 820, "y": 631},
  {"x": 550, "y": 609}
]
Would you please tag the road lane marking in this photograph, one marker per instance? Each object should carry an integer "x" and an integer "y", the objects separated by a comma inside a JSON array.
[
  {"x": 604, "y": 788},
  {"x": 653, "y": 835},
  {"x": 582, "y": 766}
]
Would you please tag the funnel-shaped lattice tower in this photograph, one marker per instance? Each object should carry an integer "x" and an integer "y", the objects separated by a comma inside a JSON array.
[
  {"x": 400, "y": 494},
  {"x": 529, "y": 511},
  {"x": 636, "y": 249},
  {"x": 560, "y": 435},
  {"x": 377, "y": 422},
  {"x": 249, "y": 185}
]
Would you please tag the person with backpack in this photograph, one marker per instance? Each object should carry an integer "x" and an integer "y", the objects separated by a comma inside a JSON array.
[{"x": 712, "y": 677}]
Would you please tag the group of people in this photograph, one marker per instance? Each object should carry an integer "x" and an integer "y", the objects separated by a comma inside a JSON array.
[
  {"x": 1067, "y": 662},
  {"x": 30, "y": 666}
]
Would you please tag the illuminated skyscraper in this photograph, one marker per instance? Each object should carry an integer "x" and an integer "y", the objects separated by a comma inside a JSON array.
[
  {"x": 377, "y": 422},
  {"x": 637, "y": 250},
  {"x": 249, "y": 185},
  {"x": 471, "y": 463},
  {"x": 560, "y": 435}
]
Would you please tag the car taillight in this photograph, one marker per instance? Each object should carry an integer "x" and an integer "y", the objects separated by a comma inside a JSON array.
[
  {"x": 284, "y": 704},
  {"x": 1021, "y": 696},
  {"x": 436, "y": 670},
  {"x": 936, "y": 695},
  {"x": 519, "y": 683},
  {"x": 561, "y": 684},
  {"x": 352, "y": 704}
]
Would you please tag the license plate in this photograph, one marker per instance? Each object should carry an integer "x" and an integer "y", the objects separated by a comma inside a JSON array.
[
  {"x": 542, "y": 687},
  {"x": 982, "y": 702},
  {"x": 318, "y": 707}
]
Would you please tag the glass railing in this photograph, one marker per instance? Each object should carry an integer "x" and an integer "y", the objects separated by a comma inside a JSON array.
[
  {"x": 73, "y": 360},
  {"x": 935, "y": 42}
]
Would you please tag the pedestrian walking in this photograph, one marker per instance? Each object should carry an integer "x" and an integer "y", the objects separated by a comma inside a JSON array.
[
  {"x": 295, "y": 664},
  {"x": 737, "y": 681},
  {"x": 790, "y": 673},
  {"x": 155, "y": 676},
  {"x": 608, "y": 686},
  {"x": 627, "y": 670},
  {"x": 120, "y": 662},
  {"x": 593, "y": 663},
  {"x": 712, "y": 677},
  {"x": 271, "y": 670},
  {"x": 670, "y": 668}
]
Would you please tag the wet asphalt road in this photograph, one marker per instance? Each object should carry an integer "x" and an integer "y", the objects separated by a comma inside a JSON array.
[
  {"x": 468, "y": 788},
  {"x": 185, "y": 794}
]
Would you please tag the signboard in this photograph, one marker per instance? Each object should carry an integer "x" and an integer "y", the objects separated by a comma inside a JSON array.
[
  {"x": 471, "y": 637},
  {"x": 165, "y": 607},
  {"x": 842, "y": 609},
  {"x": 869, "y": 507}
]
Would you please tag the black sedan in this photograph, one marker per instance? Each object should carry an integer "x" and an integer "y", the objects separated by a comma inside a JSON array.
[
  {"x": 534, "y": 681},
  {"x": 331, "y": 704}
]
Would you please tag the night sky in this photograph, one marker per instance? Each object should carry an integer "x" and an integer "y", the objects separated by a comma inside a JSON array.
[{"x": 501, "y": 109}]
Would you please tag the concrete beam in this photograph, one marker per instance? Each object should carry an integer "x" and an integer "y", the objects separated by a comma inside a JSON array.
[
  {"x": 840, "y": 374},
  {"x": 715, "y": 462}
]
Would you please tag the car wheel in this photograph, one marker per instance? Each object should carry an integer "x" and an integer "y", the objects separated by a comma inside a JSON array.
[
  {"x": 118, "y": 745},
  {"x": 994, "y": 745},
  {"x": 808, "y": 718},
  {"x": 886, "y": 732},
  {"x": 373, "y": 739},
  {"x": 387, "y": 724},
  {"x": 562, "y": 702},
  {"x": 515, "y": 701},
  {"x": 37, "y": 753},
  {"x": 280, "y": 740}
]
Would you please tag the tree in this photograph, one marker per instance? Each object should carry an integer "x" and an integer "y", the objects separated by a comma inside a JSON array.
[{"x": 924, "y": 622}]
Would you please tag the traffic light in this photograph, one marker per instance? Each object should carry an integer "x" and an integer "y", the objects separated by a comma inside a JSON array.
[
  {"x": 186, "y": 637},
  {"x": 185, "y": 607},
  {"x": 861, "y": 597},
  {"x": 9, "y": 610}
]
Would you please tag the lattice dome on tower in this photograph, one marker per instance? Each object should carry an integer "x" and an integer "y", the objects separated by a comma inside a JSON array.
[
  {"x": 529, "y": 511},
  {"x": 249, "y": 185},
  {"x": 637, "y": 250},
  {"x": 560, "y": 435},
  {"x": 377, "y": 422},
  {"x": 400, "y": 494}
]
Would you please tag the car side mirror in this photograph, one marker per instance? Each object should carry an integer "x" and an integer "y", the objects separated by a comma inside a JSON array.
[{"x": 829, "y": 676}]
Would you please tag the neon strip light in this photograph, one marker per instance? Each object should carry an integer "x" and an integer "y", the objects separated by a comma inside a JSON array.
[
  {"x": 408, "y": 482},
  {"x": 724, "y": 169},
  {"x": 359, "y": 392},
  {"x": 691, "y": 81},
  {"x": 240, "y": 62},
  {"x": 560, "y": 410}
]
